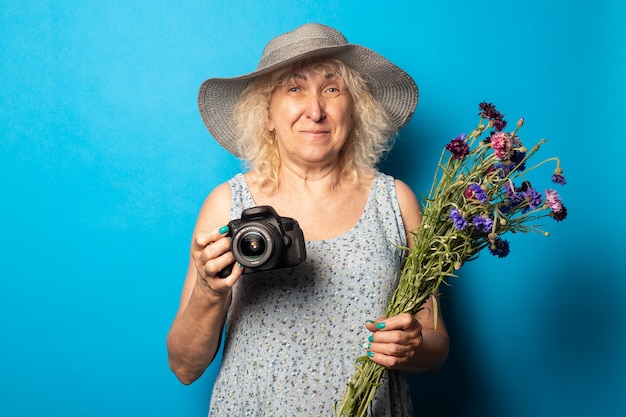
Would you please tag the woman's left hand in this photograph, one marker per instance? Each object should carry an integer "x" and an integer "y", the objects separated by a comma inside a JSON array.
[{"x": 394, "y": 341}]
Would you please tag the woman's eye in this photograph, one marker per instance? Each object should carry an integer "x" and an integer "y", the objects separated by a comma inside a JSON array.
[{"x": 332, "y": 92}]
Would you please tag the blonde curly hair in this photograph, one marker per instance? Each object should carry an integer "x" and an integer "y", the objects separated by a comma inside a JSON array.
[{"x": 370, "y": 138}]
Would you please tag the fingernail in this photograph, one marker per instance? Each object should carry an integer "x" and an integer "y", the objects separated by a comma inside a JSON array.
[
  {"x": 371, "y": 338},
  {"x": 223, "y": 230},
  {"x": 380, "y": 325},
  {"x": 370, "y": 354},
  {"x": 366, "y": 345},
  {"x": 370, "y": 321}
]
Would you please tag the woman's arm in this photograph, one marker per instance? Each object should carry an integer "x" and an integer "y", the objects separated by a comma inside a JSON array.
[{"x": 193, "y": 339}]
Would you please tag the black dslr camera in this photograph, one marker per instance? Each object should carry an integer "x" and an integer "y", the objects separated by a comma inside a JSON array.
[{"x": 262, "y": 241}]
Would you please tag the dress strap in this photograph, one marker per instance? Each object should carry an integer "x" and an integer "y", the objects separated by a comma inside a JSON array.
[{"x": 241, "y": 196}]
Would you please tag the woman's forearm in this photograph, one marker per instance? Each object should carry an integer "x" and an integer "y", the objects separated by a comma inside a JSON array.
[{"x": 194, "y": 337}]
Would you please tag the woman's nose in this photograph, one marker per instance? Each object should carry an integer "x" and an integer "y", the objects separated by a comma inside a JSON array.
[{"x": 315, "y": 107}]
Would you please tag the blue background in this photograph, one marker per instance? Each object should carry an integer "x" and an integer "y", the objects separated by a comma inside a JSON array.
[{"x": 104, "y": 163}]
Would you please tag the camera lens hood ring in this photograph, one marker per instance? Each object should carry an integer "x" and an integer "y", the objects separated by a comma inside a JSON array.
[{"x": 272, "y": 242}]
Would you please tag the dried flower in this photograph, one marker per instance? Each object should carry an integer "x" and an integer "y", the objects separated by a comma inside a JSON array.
[
  {"x": 518, "y": 159},
  {"x": 488, "y": 111},
  {"x": 480, "y": 180},
  {"x": 533, "y": 198},
  {"x": 502, "y": 147},
  {"x": 483, "y": 223},
  {"x": 500, "y": 248},
  {"x": 560, "y": 215},
  {"x": 457, "y": 218},
  {"x": 476, "y": 192},
  {"x": 499, "y": 124},
  {"x": 559, "y": 179},
  {"x": 513, "y": 194},
  {"x": 553, "y": 201},
  {"x": 458, "y": 147}
]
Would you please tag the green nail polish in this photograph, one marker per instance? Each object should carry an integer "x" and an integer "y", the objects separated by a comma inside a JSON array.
[
  {"x": 223, "y": 230},
  {"x": 366, "y": 345},
  {"x": 370, "y": 354},
  {"x": 370, "y": 321},
  {"x": 380, "y": 325},
  {"x": 371, "y": 338}
]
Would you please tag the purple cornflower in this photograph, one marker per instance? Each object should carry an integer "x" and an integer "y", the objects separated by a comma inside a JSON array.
[
  {"x": 458, "y": 147},
  {"x": 512, "y": 193},
  {"x": 500, "y": 248},
  {"x": 504, "y": 168},
  {"x": 559, "y": 179},
  {"x": 533, "y": 197},
  {"x": 483, "y": 223},
  {"x": 457, "y": 218},
  {"x": 476, "y": 192}
]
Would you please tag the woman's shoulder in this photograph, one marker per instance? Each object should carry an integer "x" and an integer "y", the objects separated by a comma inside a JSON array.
[
  {"x": 403, "y": 191},
  {"x": 216, "y": 207},
  {"x": 220, "y": 192},
  {"x": 409, "y": 205}
]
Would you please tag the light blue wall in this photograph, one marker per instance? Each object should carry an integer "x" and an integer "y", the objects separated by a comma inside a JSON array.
[{"x": 104, "y": 162}]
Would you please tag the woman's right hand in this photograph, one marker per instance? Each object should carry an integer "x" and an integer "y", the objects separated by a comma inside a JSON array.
[{"x": 211, "y": 254}]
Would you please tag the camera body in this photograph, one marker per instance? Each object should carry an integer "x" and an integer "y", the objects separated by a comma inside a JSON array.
[{"x": 261, "y": 240}]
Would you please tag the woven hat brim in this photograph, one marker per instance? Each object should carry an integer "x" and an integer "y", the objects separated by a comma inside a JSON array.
[{"x": 388, "y": 83}]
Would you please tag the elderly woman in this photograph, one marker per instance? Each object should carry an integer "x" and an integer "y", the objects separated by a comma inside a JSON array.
[{"x": 312, "y": 122}]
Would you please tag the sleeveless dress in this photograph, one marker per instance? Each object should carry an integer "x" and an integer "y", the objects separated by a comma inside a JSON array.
[{"x": 293, "y": 335}]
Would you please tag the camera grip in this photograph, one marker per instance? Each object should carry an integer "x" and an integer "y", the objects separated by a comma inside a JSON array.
[{"x": 226, "y": 271}]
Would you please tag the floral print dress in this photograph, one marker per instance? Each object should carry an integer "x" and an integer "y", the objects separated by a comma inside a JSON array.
[{"x": 292, "y": 336}]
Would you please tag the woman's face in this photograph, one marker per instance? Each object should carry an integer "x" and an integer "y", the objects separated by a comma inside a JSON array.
[{"x": 311, "y": 116}]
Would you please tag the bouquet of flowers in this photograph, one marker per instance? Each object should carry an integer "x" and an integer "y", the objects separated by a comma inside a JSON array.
[{"x": 479, "y": 193}]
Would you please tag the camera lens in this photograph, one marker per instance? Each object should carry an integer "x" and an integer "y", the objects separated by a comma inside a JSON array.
[
  {"x": 252, "y": 246},
  {"x": 257, "y": 245}
]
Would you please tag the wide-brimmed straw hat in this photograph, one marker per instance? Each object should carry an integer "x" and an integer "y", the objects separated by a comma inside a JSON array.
[{"x": 388, "y": 83}]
